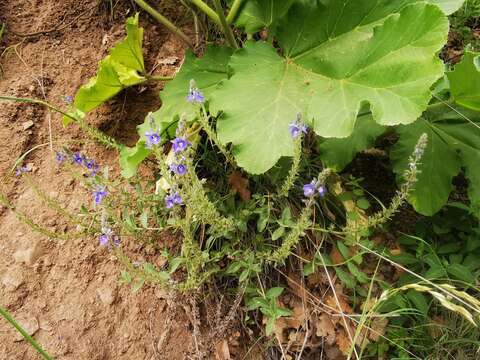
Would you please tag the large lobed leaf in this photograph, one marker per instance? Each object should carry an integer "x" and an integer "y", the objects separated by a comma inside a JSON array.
[
  {"x": 365, "y": 51},
  {"x": 465, "y": 81},
  {"x": 116, "y": 71}
]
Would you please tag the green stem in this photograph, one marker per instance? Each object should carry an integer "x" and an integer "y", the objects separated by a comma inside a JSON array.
[
  {"x": 20, "y": 329},
  {"x": 159, "y": 78},
  {"x": 208, "y": 11},
  {"x": 164, "y": 21},
  {"x": 232, "y": 14},
  {"x": 226, "y": 29}
]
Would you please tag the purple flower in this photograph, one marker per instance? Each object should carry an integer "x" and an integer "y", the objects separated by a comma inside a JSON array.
[
  {"x": 68, "y": 99},
  {"x": 153, "y": 138},
  {"x": 22, "y": 169},
  {"x": 181, "y": 169},
  {"x": 322, "y": 191},
  {"x": 103, "y": 238},
  {"x": 95, "y": 170},
  {"x": 309, "y": 189},
  {"x": 99, "y": 194},
  {"x": 78, "y": 158},
  {"x": 60, "y": 157},
  {"x": 169, "y": 203},
  {"x": 90, "y": 164},
  {"x": 296, "y": 129},
  {"x": 116, "y": 240},
  {"x": 179, "y": 144},
  {"x": 195, "y": 96},
  {"x": 177, "y": 199}
]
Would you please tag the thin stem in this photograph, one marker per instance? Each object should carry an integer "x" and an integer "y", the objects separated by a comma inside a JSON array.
[
  {"x": 20, "y": 329},
  {"x": 232, "y": 14},
  {"x": 207, "y": 10},
  {"x": 226, "y": 28},
  {"x": 164, "y": 21},
  {"x": 159, "y": 78}
]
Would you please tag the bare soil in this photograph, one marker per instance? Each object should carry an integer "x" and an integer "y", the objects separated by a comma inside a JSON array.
[{"x": 67, "y": 293}]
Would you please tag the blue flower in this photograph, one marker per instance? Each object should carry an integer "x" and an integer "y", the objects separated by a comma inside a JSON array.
[
  {"x": 22, "y": 169},
  {"x": 99, "y": 194},
  {"x": 153, "y": 138},
  {"x": 169, "y": 203},
  {"x": 177, "y": 199},
  {"x": 116, "y": 240},
  {"x": 78, "y": 158},
  {"x": 195, "y": 96},
  {"x": 103, "y": 239},
  {"x": 68, "y": 99},
  {"x": 322, "y": 191},
  {"x": 60, "y": 157},
  {"x": 181, "y": 169},
  {"x": 296, "y": 129},
  {"x": 179, "y": 144},
  {"x": 309, "y": 189}
]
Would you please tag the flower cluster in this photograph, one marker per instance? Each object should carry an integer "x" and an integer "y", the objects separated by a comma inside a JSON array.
[
  {"x": 314, "y": 187},
  {"x": 195, "y": 96},
  {"x": 297, "y": 127},
  {"x": 107, "y": 235},
  {"x": 79, "y": 159},
  {"x": 21, "y": 170},
  {"x": 173, "y": 199}
]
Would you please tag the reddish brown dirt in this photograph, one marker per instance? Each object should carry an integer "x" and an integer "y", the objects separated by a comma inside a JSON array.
[{"x": 69, "y": 290}]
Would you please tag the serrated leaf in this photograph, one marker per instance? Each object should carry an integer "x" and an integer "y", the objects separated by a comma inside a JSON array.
[
  {"x": 419, "y": 300},
  {"x": 362, "y": 54},
  {"x": 465, "y": 81},
  {"x": 338, "y": 153}
]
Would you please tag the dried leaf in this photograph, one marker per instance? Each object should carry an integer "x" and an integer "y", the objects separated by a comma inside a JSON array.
[
  {"x": 336, "y": 256},
  {"x": 378, "y": 327},
  {"x": 325, "y": 328},
  {"x": 222, "y": 351},
  {"x": 240, "y": 185}
]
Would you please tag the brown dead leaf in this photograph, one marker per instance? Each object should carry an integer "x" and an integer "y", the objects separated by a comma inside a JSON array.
[
  {"x": 324, "y": 327},
  {"x": 378, "y": 327},
  {"x": 222, "y": 351},
  {"x": 344, "y": 305},
  {"x": 343, "y": 341},
  {"x": 336, "y": 256},
  {"x": 240, "y": 185}
]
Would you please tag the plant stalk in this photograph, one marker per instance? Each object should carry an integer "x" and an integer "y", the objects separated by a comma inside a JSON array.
[
  {"x": 20, "y": 329},
  {"x": 232, "y": 14},
  {"x": 159, "y": 78},
  {"x": 226, "y": 29},
  {"x": 207, "y": 10},
  {"x": 164, "y": 21}
]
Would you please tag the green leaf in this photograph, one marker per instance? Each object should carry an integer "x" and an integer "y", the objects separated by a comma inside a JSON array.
[
  {"x": 451, "y": 145},
  {"x": 129, "y": 51},
  {"x": 338, "y": 153},
  {"x": 419, "y": 300},
  {"x": 448, "y": 6},
  {"x": 465, "y": 81},
  {"x": 207, "y": 72},
  {"x": 345, "y": 278},
  {"x": 274, "y": 293},
  {"x": 130, "y": 158},
  {"x": 116, "y": 72},
  {"x": 363, "y": 203},
  {"x": 439, "y": 166},
  {"x": 461, "y": 272},
  {"x": 258, "y": 14},
  {"x": 278, "y": 233},
  {"x": 360, "y": 54}
]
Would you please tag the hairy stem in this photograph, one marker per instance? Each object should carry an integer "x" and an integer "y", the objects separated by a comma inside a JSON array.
[
  {"x": 164, "y": 21},
  {"x": 207, "y": 10},
  {"x": 293, "y": 173},
  {"x": 232, "y": 14},
  {"x": 226, "y": 28},
  {"x": 159, "y": 78},
  {"x": 7, "y": 316}
]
